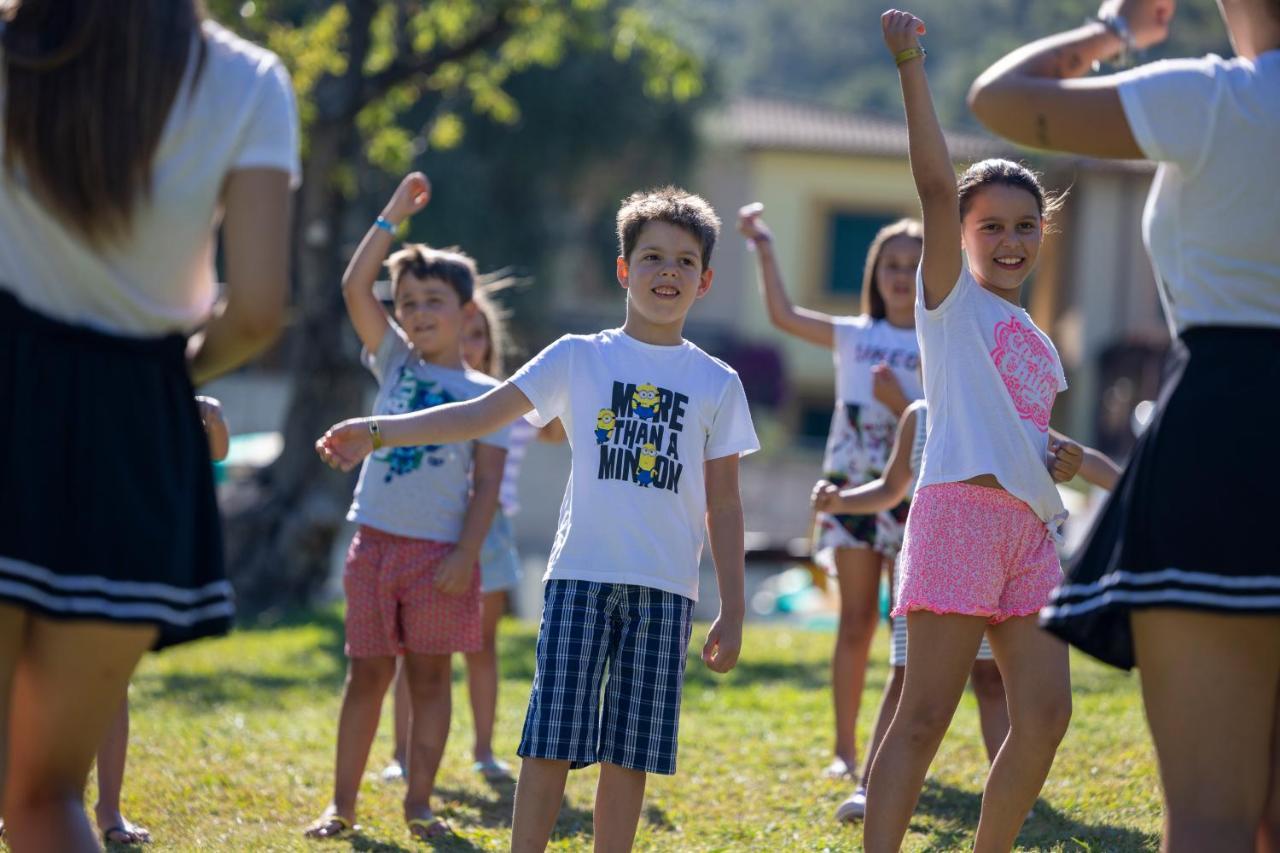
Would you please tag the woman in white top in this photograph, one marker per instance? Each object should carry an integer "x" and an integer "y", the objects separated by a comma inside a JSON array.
[
  {"x": 130, "y": 131},
  {"x": 1180, "y": 575}
]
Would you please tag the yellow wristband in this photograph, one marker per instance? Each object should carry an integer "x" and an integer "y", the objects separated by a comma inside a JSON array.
[
  {"x": 376, "y": 434},
  {"x": 909, "y": 54}
]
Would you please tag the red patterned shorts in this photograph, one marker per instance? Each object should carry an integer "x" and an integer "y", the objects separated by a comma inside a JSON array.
[{"x": 393, "y": 605}]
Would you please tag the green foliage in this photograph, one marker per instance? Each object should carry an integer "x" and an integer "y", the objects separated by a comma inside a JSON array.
[
  {"x": 457, "y": 52},
  {"x": 232, "y": 749}
]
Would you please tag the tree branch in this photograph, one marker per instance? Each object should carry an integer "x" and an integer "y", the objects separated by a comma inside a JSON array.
[{"x": 407, "y": 65}]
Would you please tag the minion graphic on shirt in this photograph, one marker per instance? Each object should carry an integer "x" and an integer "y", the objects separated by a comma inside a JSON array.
[
  {"x": 644, "y": 467},
  {"x": 644, "y": 402},
  {"x": 606, "y": 422}
]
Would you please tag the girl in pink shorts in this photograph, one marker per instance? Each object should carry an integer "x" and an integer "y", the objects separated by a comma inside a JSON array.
[{"x": 978, "y": 554}]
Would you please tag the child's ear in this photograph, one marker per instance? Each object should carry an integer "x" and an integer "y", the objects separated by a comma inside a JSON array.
[
  {"x": 704, "y": 282},
  {"x": 623, "y": 271},
  {"x": 469, "y": 309}
]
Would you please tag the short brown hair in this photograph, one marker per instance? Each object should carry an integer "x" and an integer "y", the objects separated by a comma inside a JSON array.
[
  {"x": 872, "y": 300},
  {"x": 452, "y": 266},
  {"x": 999, "y": 171},
  {"x": 68, "y": 65},
  {"x": 673, "y": 206}
]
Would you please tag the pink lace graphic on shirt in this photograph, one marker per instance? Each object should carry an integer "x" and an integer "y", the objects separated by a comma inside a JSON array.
[{"x": 1026, "y": 365}]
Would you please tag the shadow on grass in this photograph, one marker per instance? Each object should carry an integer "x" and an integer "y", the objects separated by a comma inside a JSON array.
[
  {"x": 1046, "y": 828},
  {"x": 808, "y": 675},
  {"x": 444, "y": 842},
  {"x": 495, "y": 812}
]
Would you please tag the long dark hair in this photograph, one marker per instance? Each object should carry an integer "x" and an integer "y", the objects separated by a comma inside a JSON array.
[
  {"x": 89, "y": 85},
  {"x": 872, "y": 302}
]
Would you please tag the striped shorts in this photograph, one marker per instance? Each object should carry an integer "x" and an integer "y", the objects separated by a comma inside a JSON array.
[{"x": 640, "y": 635}]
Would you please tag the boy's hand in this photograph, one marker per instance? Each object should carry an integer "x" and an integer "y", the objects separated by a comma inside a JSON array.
[
  {"x": 1148, "y": 20},
  {"x": 411, "y": 196},
  {"x": 750, "y": 225},
  {"x": 453, "y": 575},
  {"x": 724, "y": 644},
  {"x": 825, "y": 496},
  {"x": 1065, "y": 459},
  {"x": 902, "y": 30},
  {"x": 346, "y": 444},
  {"x": 886, "y": 388}
]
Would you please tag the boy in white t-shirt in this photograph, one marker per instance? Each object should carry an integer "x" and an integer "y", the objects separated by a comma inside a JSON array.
[{"x": 656, "y": 427}]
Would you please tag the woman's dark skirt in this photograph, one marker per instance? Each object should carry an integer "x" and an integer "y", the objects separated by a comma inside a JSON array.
[
  {"x": 107, "y": 506},
  {"x": 1191, "y": 522}
]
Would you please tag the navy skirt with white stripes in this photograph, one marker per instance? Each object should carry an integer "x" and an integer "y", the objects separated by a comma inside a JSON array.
[
  {"x": 1191, "y": 521},
  {"x": 107, "y": 507}
]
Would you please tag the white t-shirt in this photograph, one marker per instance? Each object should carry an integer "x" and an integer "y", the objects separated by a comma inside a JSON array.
[
  {"x": 1211, "y": 220},
  {"x": 241, "y": 114},
  {"x": 422, "y": 492},
  {"x": 860, "y": 344},
  {"x": 641, "y": 421},
  {"x": 990, "y": 379}
]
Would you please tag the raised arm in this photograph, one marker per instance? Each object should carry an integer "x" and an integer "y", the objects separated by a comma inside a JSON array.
[
  {"x": 931, "y": 167},
  {"x": 1034, "y": 96},
  {"x": 364, "y": 309},
  {"x": 812, "y": 326},
  {"x": 880, "y": 494},
  {"x": 345, "y": 444}
]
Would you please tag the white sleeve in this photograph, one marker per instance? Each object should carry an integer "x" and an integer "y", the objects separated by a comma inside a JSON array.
[
  {"x": 732, "y": 432},
  {"x": 845, "y": 332},
  {"x": 1171, "y": 107},
  {"x": 963, "y": 283},
  {"x": 392, "y": 348},
  {"x": 270, "y": 138},
  {"x": 545, "y": 380}
]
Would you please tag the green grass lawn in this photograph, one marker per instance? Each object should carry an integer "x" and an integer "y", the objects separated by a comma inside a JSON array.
[{"x": 233, "y": 747}]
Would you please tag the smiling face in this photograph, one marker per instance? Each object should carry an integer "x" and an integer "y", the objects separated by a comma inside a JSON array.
[
  {"x": 1001, "y": 232},
  {"x": 896, "y": 274},
  {"x": 476, "y": 344},
  {"x": 431, "y": 314},
  {"x": 664, "y": 274}
]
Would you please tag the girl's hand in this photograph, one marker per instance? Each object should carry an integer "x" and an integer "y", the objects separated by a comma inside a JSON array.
[
  {"x": 886, "y": 388},
  {"x": 902, "y": 30},
  {"x": 453, "y": 575},
  {"x": 346, "y": 444},
  {"x": 1148, "y": 20},
  {"x": 825, "y": 495},
  {"x": 1065, "y": 459},
  {"x": 215, "y": 427},
  {"x": 750, "y": 225},
  {"x": 410, "y": 197}
]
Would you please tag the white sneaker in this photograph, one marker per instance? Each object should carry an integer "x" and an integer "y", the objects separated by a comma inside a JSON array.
[
  {"x": 854, "y": 808},
  {"x": 393, "y": 772}
]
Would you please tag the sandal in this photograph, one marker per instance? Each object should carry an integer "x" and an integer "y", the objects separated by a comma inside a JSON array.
[
  {"x": 126, "y": 834},
  {"x": 493, "y": 770},
  {"x": 428, "y": 828},
  {"x": 331, "y": 827}
]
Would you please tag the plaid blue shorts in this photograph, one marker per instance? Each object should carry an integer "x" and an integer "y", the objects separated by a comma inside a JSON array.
[{"x": 642, "y": 635}]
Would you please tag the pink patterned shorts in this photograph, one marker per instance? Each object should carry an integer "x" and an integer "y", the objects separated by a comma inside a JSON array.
[
  {"x": 393, "y": 605},
  {"x": 975, "y": 551}
]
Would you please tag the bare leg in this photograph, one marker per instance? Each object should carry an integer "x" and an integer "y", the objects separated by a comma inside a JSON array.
[
  {"x": 619, "y": 797},
  {"x": 888, "y": 705},
  {"x": 1209, "y": 684},
  {"x": 539, "y": 794},
  {"x": 403, "y": 712},
  {"x": 430, "y": 691},
  {"x": 482, "y": 676},
  {"x": 993, "y": 709},
  {"x": 367, "y": 682},
  {"x": 1269, "y": 831},
  {"x": 13, "y": 628},
  {"x": 858, "y": 574},
  {"x": 1038, "y": 689},
  {"x": 69, "y": 683},
  {"x": 939, "y": 658},
  {"x": 111, "y": 760}
]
